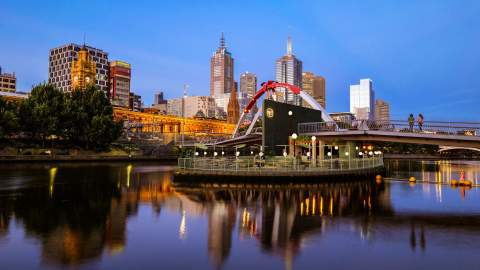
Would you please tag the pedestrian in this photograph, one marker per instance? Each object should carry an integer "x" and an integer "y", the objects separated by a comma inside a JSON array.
[
  {"x": 420, "y": 121},
  {"x": 411, "y": 122}
]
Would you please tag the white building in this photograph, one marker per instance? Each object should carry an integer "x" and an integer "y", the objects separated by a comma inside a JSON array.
[
  {"x": 362, "y": 100},
  {"x": 192, "y": 105},
  {"x": 222, "y": 101}
]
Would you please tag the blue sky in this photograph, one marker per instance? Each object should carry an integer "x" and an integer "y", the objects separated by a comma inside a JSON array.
[{"x": 423, "y": 56}]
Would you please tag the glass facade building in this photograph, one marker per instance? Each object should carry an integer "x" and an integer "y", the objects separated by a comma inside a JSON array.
[{"x": 362, "y": 100}]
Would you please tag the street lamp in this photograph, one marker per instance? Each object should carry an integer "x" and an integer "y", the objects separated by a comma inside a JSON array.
[
  {"x": 205, "y": 153},
  {"x": 290, "y": 113},
  {"x": 294, "y": 137}
]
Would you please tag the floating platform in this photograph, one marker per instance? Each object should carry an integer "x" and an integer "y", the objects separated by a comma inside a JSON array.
[{"x": 218, "y": 170}]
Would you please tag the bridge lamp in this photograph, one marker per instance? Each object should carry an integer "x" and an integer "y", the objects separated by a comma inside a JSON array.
[
  {"x": 336, "y": 147},
  {"x": 314, "y": 138},
  {"x": 356, "y": 147},
  {"x": 285, "y": 154},
  {"x": 360, "y": 154},
  {"x": 260, "y": 154},
  {"x": 379, "y": 152},
  {"x": 370, "y": 153},
  {"x": 205, "y": 153},
  {"x": 294, "y": 136},
  {"x": 308, "y": 154},
  {"x": 237, "y": 153},
  {"x": 215, "y": 154},
  {"x": 290, "y": 113},
  {"x": 346, "y": 154},
  {"x": 196, "y": 153},
  {"x": 223, "y": 153},
  {"x": 251, "y": 152},
  {"x": 329, "y": 154}
]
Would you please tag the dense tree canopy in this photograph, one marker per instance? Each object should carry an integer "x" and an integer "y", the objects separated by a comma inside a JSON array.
[{"x": 82, "y": 118}]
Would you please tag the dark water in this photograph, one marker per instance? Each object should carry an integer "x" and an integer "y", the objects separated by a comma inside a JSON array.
[{"x": 135, "y": 216}]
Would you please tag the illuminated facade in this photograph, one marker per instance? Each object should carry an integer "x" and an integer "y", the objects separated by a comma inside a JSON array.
[
  {"x": 156, "y": 123},
  {"x": 83, "y": 70},
  {"x": 60, "y": 66},
  {"x": 233, "y": 113},
  {"x": 120, "y": 75}
]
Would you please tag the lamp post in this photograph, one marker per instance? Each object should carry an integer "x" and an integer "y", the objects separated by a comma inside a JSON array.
[
  {"x": 294, "y": 137},
  {"x": 185, "y": 87}
]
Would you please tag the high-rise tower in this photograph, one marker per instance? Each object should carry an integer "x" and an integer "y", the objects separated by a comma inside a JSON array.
[
  {"x": 288, "y": 69},
  {"x": 221, "y": 71},
  {"x": 362, "y": 100}
]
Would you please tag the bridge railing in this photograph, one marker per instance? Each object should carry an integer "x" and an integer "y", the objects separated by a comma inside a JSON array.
[
  {"x": 428, "y": 127},
  {"x": 275, "y": 164}
]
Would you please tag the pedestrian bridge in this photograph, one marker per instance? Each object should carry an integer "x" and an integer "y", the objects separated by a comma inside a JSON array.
[{"x": 448, "y": 134}]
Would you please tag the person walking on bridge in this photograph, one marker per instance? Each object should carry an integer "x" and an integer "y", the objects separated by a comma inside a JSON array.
[
  {"x": 411, "y": 122},
  {"x": 420, "y": 121}
]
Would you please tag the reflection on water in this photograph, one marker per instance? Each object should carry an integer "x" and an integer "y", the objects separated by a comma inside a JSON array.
[
  {"x": 105, "y": 216},
  {"x": 441, "y": 171}
]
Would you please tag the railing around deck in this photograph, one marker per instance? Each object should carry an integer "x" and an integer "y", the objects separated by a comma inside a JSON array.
[
  {"x": 275, "y": 164},
  {"x": 430, "y": 127}
]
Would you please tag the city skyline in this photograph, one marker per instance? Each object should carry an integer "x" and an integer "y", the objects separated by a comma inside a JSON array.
[{"x": 434, "y": 65}]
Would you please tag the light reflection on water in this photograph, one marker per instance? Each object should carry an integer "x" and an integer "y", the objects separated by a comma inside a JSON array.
[{"x": 121, "y": 216}]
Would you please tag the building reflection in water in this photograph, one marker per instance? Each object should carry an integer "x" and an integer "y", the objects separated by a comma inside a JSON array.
[{"x": 78, "y": 221}]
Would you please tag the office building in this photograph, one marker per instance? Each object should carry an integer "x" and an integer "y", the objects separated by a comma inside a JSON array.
[
  {"x": 345, "y": 117},
  {"x": 382, "y": 111},
  {"x": 120, "y": 77},
  {"x": 60, "y": 64},
  {"x": 8, "y": 82},
  {"x": 314, "y": 86},
  {"x": 362, "y": 100},
  {"x": 135, "y": 102},
  {"x": 221, "y": 71},
  {"x": 248, "y": 84},
  {"x": 192, "y": 105},
  {"x": 288, "y": 69},
  {"x": 160, "y": 103}
]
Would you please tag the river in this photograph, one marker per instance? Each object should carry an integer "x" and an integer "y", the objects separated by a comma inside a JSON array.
[{"x": 136, "y": 216}]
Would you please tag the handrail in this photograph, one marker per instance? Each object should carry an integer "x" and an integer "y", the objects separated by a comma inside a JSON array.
[{"x": 230, "y": 164}]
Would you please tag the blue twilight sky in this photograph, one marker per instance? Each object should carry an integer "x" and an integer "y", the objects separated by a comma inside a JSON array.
[{"x": 423, "y": 56}]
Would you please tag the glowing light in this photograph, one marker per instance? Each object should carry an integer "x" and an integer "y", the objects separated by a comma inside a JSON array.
[
  {"x": 53, "y": 173},
  {"x": 215, "y": 154},
  {"x": 294, "y": 136},
  {"x": 346, "y": 154},
  {"x": 129, "y": 171},
  {"x": 223, "y": 153},
  {"x": 196, "y": 153},
  {"x": 290, "y": 113},
  {"x": 308, "y": 154},
  {"x": 182, "y": 230},
  {"x": 205, "y": 153},
  {"x": 237, "y": 153},
  {"x": 285, "y": 154},
  {"x": 329, "y": 154},
  {"x": 336, "y": 147},
  {"x": 314, "y": 138}
]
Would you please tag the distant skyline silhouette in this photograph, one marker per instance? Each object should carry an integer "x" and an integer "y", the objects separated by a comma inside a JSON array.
[{"x": 423, "y": 56}]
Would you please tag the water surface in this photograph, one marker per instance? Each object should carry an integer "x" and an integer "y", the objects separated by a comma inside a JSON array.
[{"x": 125, "y": 216}]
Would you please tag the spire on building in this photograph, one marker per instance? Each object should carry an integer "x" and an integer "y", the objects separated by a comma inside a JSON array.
[
  {"x": 233, "y": 108},
  {"x": 289, "y": 46},
  {"x": 222, "y": 41}
]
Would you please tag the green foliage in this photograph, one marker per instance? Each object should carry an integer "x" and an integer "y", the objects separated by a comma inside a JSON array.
[
  {"x": 9, "y": 121},
  {"x": 83, "y": 118},
  {"x": 89, "y": 120}
]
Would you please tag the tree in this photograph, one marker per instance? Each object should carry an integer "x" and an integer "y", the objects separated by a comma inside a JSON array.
[
  {"x": 89, "y": 120},
  {"x": 8, "y": 119},
  {"x": 42, "y": 114}
]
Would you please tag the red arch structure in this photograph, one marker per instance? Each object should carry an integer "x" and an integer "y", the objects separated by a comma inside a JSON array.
[{"x": 270, "y": 86}]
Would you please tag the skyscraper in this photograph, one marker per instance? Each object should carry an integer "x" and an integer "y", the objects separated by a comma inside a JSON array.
[
  {"x": 83, "y": 70},
  {"x": 120, "y": 77},
  {"x": 382, "y": 111},
  {"x": 315, "y": 87},
  {"x": 60, "y": 66},
  {"x": 288, "y": 69},
  {"x": 248, "y": 84},
  {"x": 221, "y": 71},
  {"x": 362, "y": 98}
]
